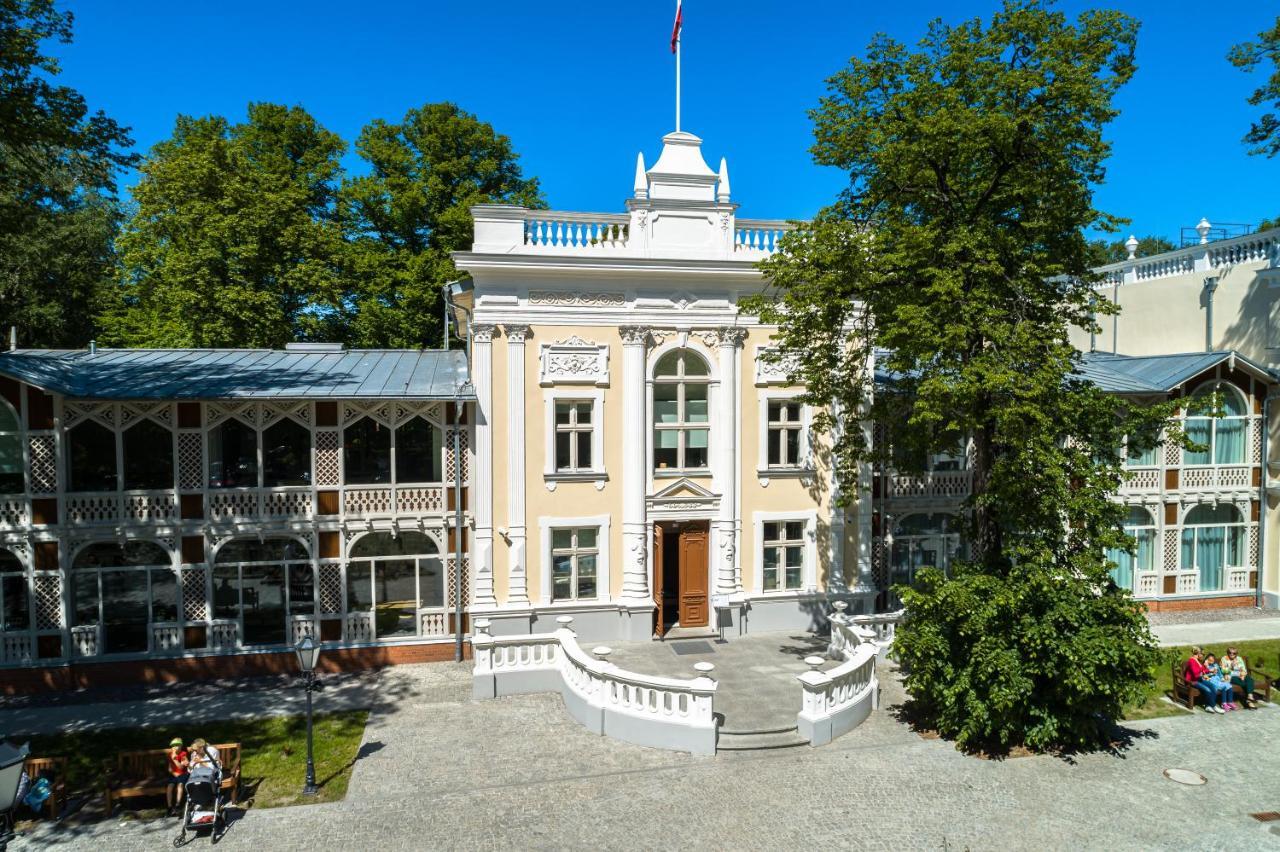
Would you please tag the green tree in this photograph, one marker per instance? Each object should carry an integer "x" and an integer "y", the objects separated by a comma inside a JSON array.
[
  {"x": 956, "y": 258},
  {"x": 1264, "y": 133},
  {"x": 1102, "y": 252},
  {"x": 413, "y": 209},
  {"x": 235, "y": 241},
  {"x": 58, "y": 164}
]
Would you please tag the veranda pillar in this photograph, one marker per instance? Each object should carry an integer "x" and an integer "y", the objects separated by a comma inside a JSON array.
[
  {"x": 482, "y": 379},
  {"x": 517, "y": 561},
  {"x": 635, "y": 574}
]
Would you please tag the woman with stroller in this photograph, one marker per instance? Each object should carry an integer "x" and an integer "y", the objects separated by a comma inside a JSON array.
[{"x": 203, "y": 754}]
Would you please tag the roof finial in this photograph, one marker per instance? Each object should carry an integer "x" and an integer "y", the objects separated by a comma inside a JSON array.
[
  {"x": 642, "y": 180},
  {"x": 1203, "y": 230},
  {"x": 722, "y": 191},
  {"x": 1131, "y": 245}
]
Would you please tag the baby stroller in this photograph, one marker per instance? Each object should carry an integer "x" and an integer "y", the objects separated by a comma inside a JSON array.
[{"x": 203, "y": 806}]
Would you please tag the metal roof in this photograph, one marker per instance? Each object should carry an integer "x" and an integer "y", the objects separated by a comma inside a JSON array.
[
  {"x": 1158, "y": 373},
  {"x": 243, "y": 373}
]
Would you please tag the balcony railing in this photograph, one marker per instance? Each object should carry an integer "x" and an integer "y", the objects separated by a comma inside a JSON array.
[
  {"x": 934, "y": 484},
  {"x": 1217, "y": 476}
]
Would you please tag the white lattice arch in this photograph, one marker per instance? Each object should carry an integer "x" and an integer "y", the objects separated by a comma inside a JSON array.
[
  {"x": 263, "y": 536},
  {"x": 1223, "y": 386},
  {"x": 18, "y": 552},
  {"x": 1241, "y": 507},
  {"x": 433, "y": 535},
  {"x": 164, "y": 544}
]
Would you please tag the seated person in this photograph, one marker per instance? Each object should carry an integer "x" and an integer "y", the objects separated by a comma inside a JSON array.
[
  {"x": 176, "y": 757},
  {"x": 1220, "y": 682},
  {"x": 1233, "y": 666},
  {"x": 1196, "y": 676},
  {"x": 203, "y": 754}
]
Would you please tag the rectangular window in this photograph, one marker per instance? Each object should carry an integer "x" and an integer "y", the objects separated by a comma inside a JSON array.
[
  {"x": 783, "y": 555},
  {"x": 574, "y": 425},
  {"x": 784, "y": 434},
  {"x": 574, "y": 554}
]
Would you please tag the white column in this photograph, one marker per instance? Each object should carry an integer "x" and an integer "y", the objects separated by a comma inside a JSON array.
[
  {"x": 635, "y": 573},
  {"x": 728, "y": 573},
  {"x": 482, "y": 379},
  {"x": 517, "y": 575}
]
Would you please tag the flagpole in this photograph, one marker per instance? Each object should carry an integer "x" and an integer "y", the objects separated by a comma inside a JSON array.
[{"x": 679, "y": 39}]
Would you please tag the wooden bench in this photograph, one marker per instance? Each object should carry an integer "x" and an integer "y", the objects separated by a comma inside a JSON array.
[
  {"x": 145, "y": 773},
  {"x": 1185, "y": 692},
  {"x": 55, "y": 769}
]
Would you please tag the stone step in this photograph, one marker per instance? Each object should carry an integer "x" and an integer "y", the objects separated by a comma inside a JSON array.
[{"x": 760, "y": 740}]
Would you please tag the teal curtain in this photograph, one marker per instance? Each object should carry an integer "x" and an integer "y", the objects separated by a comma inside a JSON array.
[
  {"x": 1123, "y": 572},
  {"x": 1210, "y": 556},
  {"x": 1199, "y": 430},
  {"x": 1228, "y": 445},
  {"x": 1146, "y": 458}
]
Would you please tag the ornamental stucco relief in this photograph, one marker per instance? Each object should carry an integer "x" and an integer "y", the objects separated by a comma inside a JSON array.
[
  {"x": 774, "y": 370},
  {"x": 577, "y": 299},
  {"x": 574, "y": 361}
]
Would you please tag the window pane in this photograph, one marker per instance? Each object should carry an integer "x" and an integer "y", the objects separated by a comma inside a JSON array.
[
  {"x": 770, "y": 531},
  {"x": 1198, "y": 431},
  {"x": 561, "y": 577},
  {"x": 775, "y": 446},
  {"x": 587, "y": 538},
  {"x": 233, "y": 456},
  {"x": 770, "y": 568},
  {"x": 8, "y": 419},
  {"x": 562, "y": 539},
  {"x": 793, "y": 577},
  {"x": 164, "y": 596},
  {"x": 84, "y": 598},
  {"x": 1228, "y": 444},
  {"x": 286, "y": 454},
  {"x": 665, "y": 403},
  {"x": 105, "y": 554},
  {"x": 563, "y": 410},
  {"x": 795, "y": 557},
  {"x": 93, "y": 458},
  {"x": 396, "y": 598},
  {"x": 668, "y": 365},
  {"x": 695, "y": 456},
  {"x": 584, "y": 450},
  {"x": 407, "y": 543},
  {"x": 124, "y": 612},
  {"x": 666, "y": 448},
  {"x": 418, "y": 452},
  {"x": 226, "y": 591},
  {"x": 586, "y": 576},
  {"x": 148, "y": 456},
  {"x": 793, "y": 446},
  {"x": 795, "y": 530},
  {"x": 359, "y": 588},
  {"x": 584, "y": 414},
  {"x": 694, "y": 365},
  {"x": 564, "y": 443},
  {"x": 695, "y": 403},
  {"x": 262, "y": 602},
  {"x": 697, "y": 438},
  {"x": 430, "y": 582},
  {"x": 16, "y": 614},
  {"x": 267, "y": 550},
  {"x": 793, "y": 412},
  {"x": 366, "y": 452},
  {"x": 302, "y": 589},
  {"x": 11, "y": 481}
]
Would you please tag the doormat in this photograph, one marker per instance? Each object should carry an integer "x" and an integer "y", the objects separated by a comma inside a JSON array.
[{"x": 686, "y": 648}]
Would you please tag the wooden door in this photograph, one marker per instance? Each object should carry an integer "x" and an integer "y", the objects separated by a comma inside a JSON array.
[
  {"x": 694, "y": 609},
  {"x": 657, "y": 581}
]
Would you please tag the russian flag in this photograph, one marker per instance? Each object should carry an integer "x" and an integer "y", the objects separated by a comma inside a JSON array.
[{"x": 675, "y": 30}]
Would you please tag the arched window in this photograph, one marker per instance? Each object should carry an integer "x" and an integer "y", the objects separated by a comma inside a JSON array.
[
  {"x": 286, "y": 454},
  {"x": 1213, "y": 538},
  {"x": 923, "y": 541},
  {"x": 233, "y": 455},
  {"x": 15, "y": 594},
  {"x": 418, "y": 457},
  {"x": 1139, "y": 524},
  {"x": 1133, "y": 457},
  {"x": 148, "y": 456},
  {"x": 1224, "y": 436},
  {"x": 366, "y": 452},
  {"x": 11, "y": 479},
  {"x": 680, "y": 415},
  {"x": 263, "y": 583},
  {"x": 395, "y": 578},
  {"x": 123, "y": 588},
  {"x": 92, "y": 451}
]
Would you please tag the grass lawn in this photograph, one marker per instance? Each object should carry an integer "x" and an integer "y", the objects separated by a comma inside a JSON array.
[
  {"x": 1261, "y": 653},
  {"x": 273, "y": 755}
]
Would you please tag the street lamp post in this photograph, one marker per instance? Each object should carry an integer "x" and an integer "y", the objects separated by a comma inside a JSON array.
[{"x": 308, "y": 651}]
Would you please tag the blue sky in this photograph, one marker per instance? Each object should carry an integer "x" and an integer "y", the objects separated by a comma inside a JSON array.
[{"x": 582, "y": 86}]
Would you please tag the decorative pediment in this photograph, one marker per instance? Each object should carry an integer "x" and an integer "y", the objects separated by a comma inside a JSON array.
[
  {"x": 772, "y": 369},
  {"x": 682, "y": 499},
  {"x": 684, "y": 487},
  {"x": 574, "y": 361}
]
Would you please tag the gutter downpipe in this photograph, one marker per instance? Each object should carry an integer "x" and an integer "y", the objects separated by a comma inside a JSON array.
[
  {"x": 1262, "y": 503},
  {"x": 458, "y": 529}
]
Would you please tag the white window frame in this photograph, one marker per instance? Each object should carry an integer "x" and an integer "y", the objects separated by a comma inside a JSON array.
[
  {"x": 809, "y": 572},
  {"x": 805, "y": 465},
  {"x": 604, "y": 576},
  {"x": 682, "y": 427},
  {"x": 596, "y": 473},
  {"x": 1225, "y": 388}
]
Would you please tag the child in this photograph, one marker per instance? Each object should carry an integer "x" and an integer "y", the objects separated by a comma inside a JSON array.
[
  {"x": 1221, "y": 681},
  {"x": 176, "y": 756}
]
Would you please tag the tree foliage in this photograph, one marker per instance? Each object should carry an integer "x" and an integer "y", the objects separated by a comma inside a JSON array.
[
  {"x": 1102, "y": 252},
  {"x": 1264, "y": 133},
  {"x": 956, "y": 261},
  {"x": 235, "y": 240},
  {"x": 413, "y": 209},
  {"x": 58, "y": 164}
]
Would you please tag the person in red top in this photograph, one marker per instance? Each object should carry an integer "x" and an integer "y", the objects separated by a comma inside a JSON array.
[
  {"x": 1197, "y": 677},
  {"x": 174, "y": 786}
]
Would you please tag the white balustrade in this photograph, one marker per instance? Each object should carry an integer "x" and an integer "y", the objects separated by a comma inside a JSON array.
[
  {"x": 17, "y": 647},
  {"x": 166, "y": 637},
  {"x": 758, "y": 236},
  {"x": 92, "y": 508},
  {"x": 300, "y": 626},
  {"x": 1148, "y": 585},
  {"x": 367, "y": 502},
  {"x": 417, "y": 501},
  {"x": 553, "y": 229},
  {"x": 287, "y": 503},
  {"x": 434, "y": 623},
  {"x": 1141, "y": 479},
  {"x": 228, "y": 504},
  {"x": 882, "y": 625},
  {"x": 359, "y": 627},
  {"x": 1216, "y": 476},
  {"x": 149, "y": 507},
  {"x": 936, "y": 483},
  {"x": 84, "y": 641},
  {"x": 1237, "y": 579},
  {"x": 14, "y": 512},
  {"x": 1188, "y": 583},
  {"x": 1250, "y": 248},
  {"x": 836, "y": 701},
  {"x": 224, "y": 635},
  {"x": 646, "y": 710}
]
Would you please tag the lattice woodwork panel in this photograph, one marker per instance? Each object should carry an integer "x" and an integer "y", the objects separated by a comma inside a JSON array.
[
  {"x": 190, "y": 461},
  {"x": 195, "y": 606},
  {"x": 330, "y": 589},
  {"x": 269, "y": 414},
  {"x": 1255, "y": 440},
  {"x": 47, "y": 597},
  {"x": 1172, "y": 454},
  {"x": 1253, "y": 546},
  {"x": 451, "y": 586},
  {"x": 1171, "y": 545},
  {"x": 44, "y": 464},
  {"x": 327, "y": 457},
  {"x": 449, "y": 465}
]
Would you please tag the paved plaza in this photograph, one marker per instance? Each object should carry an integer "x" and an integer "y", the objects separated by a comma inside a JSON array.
[{"x": 439, "y": 770}]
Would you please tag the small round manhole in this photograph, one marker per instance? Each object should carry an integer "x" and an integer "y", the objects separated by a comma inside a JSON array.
[{"x": 1185, "y": 776}]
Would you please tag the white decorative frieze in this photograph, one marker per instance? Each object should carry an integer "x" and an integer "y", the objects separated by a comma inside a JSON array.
[
  {"x": 772, "y": 369},
  {"x": 572, "y": 299},
  {"x": 574, "y": 361}
]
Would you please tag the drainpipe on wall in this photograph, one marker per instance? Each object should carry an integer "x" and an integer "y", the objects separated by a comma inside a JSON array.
[
  {"x": 459, "y": 531},
  {"x": 1262, "y": 503},
  {"x": 1210, "y": 285}
]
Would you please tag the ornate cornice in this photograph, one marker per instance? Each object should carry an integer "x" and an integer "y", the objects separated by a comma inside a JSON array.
[
  {"x": 634, "y": 335},
  {"x": 577, "y": 299},
  {"x": 516, "y": 333},
  {"x": 483, "y": 332}
]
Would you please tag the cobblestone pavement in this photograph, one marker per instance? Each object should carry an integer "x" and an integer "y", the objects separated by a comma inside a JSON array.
[
  {"x": 443, "y": 771},
  {"x": 1207, "y": 632},
  {"x": 1200, "y": 616}
]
